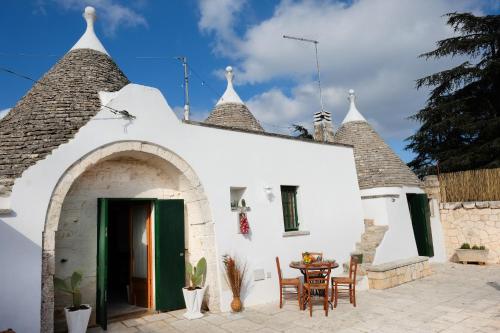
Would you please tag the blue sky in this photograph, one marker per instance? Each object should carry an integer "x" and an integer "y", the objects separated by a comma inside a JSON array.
[{"x": 368, "y": 45}]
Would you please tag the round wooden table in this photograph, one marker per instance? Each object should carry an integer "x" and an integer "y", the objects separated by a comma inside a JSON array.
[{"x": 317, "y": 265}]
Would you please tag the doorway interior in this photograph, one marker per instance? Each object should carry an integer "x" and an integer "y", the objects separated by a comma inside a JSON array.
[
  {"x": 130, "y": 271},
  {"x": 138, "y": 240}
]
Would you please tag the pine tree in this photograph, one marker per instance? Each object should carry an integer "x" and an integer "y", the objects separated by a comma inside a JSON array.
[
  {"x": 301, "y": 131},
  {"x": 460, "y": 124}
]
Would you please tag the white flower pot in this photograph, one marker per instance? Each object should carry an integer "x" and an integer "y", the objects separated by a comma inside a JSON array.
[
  {"x": 193, "y": 300},
  {"x": 77, "y": 320}
]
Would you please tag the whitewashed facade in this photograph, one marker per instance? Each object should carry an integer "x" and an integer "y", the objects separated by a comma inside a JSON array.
[{"x": 48, "y": 221}]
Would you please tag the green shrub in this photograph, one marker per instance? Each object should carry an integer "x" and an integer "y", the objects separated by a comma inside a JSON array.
[
  {"x": 475, "y": 247},
  {"x": 482, "y": 247},
  {"x": 465, "y": 246}
]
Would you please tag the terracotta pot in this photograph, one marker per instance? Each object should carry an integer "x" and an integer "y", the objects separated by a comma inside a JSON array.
[{"x": 236, "y": 304}]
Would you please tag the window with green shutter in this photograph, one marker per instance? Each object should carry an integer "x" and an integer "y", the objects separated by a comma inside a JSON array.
[{"x": 289, "y": 202}]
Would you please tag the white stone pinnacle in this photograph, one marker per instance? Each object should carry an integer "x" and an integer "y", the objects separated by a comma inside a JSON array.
[
  {"x": 89, "y": 39},
  {"x": 353, "y": 114},
  {"x": 230, "y": 95}
]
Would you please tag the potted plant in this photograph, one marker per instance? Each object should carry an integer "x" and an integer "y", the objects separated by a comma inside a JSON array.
[
  {"x": 194, "y": 292},
  {"x": 235, "y": 274},
  {"x": 467, "y": 254},
  {"x": 78, "y": 314}
]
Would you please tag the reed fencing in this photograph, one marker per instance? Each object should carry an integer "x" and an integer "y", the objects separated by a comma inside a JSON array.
[{"x": 472, "y": 185}]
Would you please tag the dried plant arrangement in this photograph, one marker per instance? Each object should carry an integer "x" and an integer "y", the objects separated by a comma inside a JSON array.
[{"x": 235, "y": 274}]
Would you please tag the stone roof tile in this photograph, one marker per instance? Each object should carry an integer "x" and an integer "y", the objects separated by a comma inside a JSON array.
[
  {"x": 376, "y": 164},
  {"x": 233, "y": 115},
  {"x": 55, "y": 108}
]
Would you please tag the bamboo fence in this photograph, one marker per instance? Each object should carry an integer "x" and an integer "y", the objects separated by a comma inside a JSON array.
[{"x": 472, "y": 185}]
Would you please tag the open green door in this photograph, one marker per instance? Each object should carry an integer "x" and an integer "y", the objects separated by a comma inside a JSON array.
[
  {"x": 102, "y": 262},
  {"x": 169, "y": 254},
  {"x": 421, "y": 222}
]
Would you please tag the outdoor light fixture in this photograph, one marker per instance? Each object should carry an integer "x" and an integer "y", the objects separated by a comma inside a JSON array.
[{"x": 269, "y": 192}]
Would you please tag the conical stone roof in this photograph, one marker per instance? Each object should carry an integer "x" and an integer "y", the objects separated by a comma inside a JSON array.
[
  {"x": 55, "y": 108},
  {"x": 376, "y": 163},
  {"x": 230, "y": 111},
  {"x": 233, "y": 115}
]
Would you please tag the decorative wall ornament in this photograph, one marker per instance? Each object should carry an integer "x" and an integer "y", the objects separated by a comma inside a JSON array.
[{"x": 244, "y": 225}]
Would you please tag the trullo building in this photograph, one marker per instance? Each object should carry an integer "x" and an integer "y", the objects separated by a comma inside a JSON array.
[{"x": 98, "y": 174}]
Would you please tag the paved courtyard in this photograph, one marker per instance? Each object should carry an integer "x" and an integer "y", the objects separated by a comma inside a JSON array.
[{"x": 456, "y": 298}]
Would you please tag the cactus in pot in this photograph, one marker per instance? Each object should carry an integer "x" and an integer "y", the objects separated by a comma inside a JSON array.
[
  {"x": 196, "y": 274},
  {"x": 78, "y": 314},
  {"x": 194, "y": 292}
]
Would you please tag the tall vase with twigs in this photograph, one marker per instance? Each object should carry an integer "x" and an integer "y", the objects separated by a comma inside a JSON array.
[{"x": 235, "y": 274}]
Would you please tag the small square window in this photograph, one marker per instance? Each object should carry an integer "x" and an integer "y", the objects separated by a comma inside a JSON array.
[{"x": 289, "y": 202}]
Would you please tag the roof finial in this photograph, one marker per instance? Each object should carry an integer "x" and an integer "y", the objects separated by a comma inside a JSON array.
[
  {"x": 352, "y": 98},
  {"x": 89, "y": 16},
  {"x": 230, "y": 95},
  {"x": 353, "y": 114},
  {"x": 89, "y": 39},
  {"x": 229, "y": 75}
]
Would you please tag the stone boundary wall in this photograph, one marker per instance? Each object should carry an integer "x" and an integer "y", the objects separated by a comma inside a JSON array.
[
  {"x": 394, "y": 273},
  {"x": 476, "y": 223}
]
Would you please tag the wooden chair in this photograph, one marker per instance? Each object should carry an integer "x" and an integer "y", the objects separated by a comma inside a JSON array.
[
  {"x": 345, "y": 284},
  {"x": 287, "y": 283},
  {"x": 317, "y": 280}
]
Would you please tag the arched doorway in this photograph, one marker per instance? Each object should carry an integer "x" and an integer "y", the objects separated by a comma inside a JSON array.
[{"x": 131, "y": 170}]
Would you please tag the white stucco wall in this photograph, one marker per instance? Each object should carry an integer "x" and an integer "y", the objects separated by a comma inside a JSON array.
[
  {"x": 329, "y": 201},
  {"x": 437, "y": 233},
  {"x": 388, "y": 206}
]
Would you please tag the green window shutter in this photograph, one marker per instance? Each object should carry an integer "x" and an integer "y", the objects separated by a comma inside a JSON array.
[{"x": 289, "y": 203}]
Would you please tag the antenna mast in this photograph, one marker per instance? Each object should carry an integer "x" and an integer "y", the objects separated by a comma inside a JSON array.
[
  {"x": 315, "y": 42},
  {"x": 183, "y": 60}
]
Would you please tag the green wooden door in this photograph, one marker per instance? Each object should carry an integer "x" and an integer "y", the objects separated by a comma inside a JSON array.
[
  {"x": 421, "y": 222},
  {"x": 169, "y": 254},
  {"x": 102, "y": 262}
]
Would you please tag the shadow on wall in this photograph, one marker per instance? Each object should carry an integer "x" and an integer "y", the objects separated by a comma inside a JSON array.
[{"x": 20, "y": 262}]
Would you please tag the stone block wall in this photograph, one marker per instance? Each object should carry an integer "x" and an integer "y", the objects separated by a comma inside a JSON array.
[
  {"x": 476, "y": 223},
  {"x": 394, "y": 273},
  {"x": 370, "y": 240}
]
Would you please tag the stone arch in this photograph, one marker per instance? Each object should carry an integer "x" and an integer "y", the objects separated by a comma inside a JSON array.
[{"x": 200, "y": 225}]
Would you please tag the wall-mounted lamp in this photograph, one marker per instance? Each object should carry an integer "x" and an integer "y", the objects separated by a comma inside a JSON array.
[{"x": 268, "y": 190}]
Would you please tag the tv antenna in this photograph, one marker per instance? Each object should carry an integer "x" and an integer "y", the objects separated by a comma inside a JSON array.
[
  {"x": 315, "y": 42},
  {"x": 183, "y": 60}
]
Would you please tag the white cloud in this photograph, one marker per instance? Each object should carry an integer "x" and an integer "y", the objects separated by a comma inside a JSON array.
[
  {"x": 370, "y": 46},
  {"x": 112, "y": 14},
  {"x": 4, "y": 112},
  {"x": 218, "y": 17}
]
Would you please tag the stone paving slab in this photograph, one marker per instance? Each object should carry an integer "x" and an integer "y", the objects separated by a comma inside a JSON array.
[{"x": 456, "y": 298}]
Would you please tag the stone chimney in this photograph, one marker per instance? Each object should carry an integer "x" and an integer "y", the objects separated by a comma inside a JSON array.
[{"x": 323, "y": 128}]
